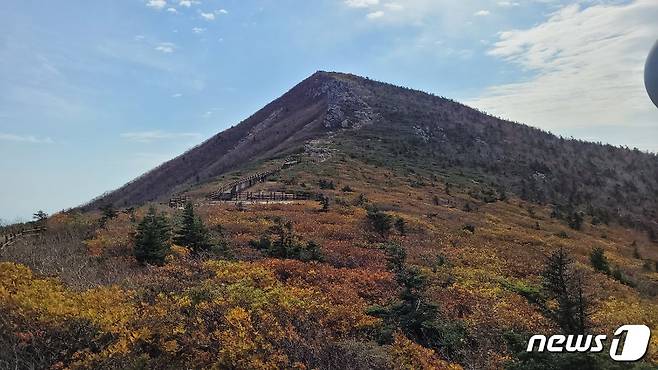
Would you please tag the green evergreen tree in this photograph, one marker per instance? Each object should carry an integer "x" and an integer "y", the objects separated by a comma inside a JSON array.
[
  {"x": 311, "y": 252},
  {"x": 284, "y": 239},
  {"x": 152, "y": 239},
  {"x": 108, "y": 212},
  {"x": 401, "y": 226},
  {"x": 40, "y": 216},
  {"x": 563, "y": 283},
  {"x": 380, "y": 222},
  {"x": 280, "y": 241},
  {"x": 193, "y": 233},
  {"x": 599, "y": 260},
  {"x": 324, "y": 202},
  {"x": 575, "y": 220},
  {"x": 414, "y": 315}
]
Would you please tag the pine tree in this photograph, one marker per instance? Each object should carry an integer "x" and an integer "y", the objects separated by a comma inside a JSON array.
[
  {"x": 599, "y": 260},
  {"x": 280, "y": 241},
  {"x": 312, "y": 252},
  {"x": 401, "y": 226},
  {"x": 324, "y": 202},
  {"x": 414, "y": 315},
  {"x": 575, "y": 220},
  {"x": 108, "y": 213},
  {"x": 380, "y": 221},
  {"x": 193, "y": 233},
  {"x": 152, "y": 239},
  {"x": 40, "y": 216},
  {"x": 563, "y": 283}
]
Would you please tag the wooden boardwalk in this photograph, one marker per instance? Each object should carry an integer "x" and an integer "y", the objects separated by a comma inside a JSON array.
[
  {"x": 9, "y": 239},
  {"x": 235, "y": 190},
  {"x": 231, "y": 190},
  {"x": 266, "y": 196}
]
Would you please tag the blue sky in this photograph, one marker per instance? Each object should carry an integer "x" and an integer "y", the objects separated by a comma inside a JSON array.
[{"x": 92, "y": 94}]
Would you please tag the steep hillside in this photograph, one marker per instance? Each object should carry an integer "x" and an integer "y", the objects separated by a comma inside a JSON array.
[
  {"x": 431, "y": 136},
  {"x": 276, "y": 129},
  {"x": 426, "y": 239},
  {"x": 415, "y": 132}
]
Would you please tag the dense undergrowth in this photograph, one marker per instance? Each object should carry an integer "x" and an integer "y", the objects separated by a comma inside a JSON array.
[{"x": 463, "y": 287}]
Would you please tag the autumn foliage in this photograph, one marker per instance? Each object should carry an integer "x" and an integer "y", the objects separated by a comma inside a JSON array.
[{"x": 394, "y": 280}]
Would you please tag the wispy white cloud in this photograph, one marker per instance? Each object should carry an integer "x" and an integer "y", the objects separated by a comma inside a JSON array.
[
  {"x": 156, "y": 4},
  {"x": 176, "y": 95},
  {"x": 434, "y": 16},
  {"x": 188, "y": 3},
  {"x": 165, "y": 47},
  {"x": 172, "y": 10},
  {"x": 208, "y": 16},
  {"x": 157, "y": 135},
  {"x": 198, "y": 30},
  {"x": 394, "y": 6},
  {"x": 586, "y": 66},
  {"x": 482, "y": 13},
  {"x": 25, "y": 139},
  {"x": 57, "y": 101},
  {"x": 361, "y": 3},
  {"x": 134, "y": 53},
  {"x": 375, "y": 14},
  {"x": 507, "y": 4}
]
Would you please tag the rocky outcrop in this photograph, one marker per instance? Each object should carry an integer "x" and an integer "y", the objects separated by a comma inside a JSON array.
[{"x": 345, "y": 106}]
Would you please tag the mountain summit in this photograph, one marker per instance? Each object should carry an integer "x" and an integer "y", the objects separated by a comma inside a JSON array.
[{"x": 400, "y": 128}]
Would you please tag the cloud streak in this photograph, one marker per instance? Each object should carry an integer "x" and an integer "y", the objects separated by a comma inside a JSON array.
[
  {"x": 585, "y": 65},
  {"x": 208, "y": 16},
  {"x": 25, "y": 139},
  {"x": 361, "y": 3},
  {"x": 187, "y": 3},
  {"x": 166, "y": 47},
  {"x": 156, "y": 4},
  {"x": 375, "y": 15},
  {"x": 157, "y": 135}
]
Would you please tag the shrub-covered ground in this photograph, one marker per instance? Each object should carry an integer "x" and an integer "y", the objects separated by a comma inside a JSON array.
[{"x": 74, "y": 296}]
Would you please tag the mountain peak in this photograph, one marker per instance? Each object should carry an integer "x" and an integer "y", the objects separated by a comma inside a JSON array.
[{"x": 420, "y": 133}]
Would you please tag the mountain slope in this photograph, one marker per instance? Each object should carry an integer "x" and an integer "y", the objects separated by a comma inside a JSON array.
[
  {"x": 283, "y": 124},
  {"x": 413, "y": 131},
  {"x": 430, "y": 135},
  {"x": 420, "y": 255}
]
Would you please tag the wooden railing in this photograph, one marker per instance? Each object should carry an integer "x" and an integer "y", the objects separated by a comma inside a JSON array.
[
  {"x": 9, "y": 239},
  {"x": 241, "y": 184},
  {"x": 272, "y": 196},
  {"x": 235, "y": 189}
]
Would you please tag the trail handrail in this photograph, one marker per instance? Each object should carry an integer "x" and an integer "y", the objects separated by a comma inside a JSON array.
[
  {"x": 235, "y": 189},
  {"x": 11, "y": 238}
]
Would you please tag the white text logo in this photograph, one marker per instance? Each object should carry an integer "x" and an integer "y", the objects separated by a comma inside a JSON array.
[{"x": 629, "y": 343}]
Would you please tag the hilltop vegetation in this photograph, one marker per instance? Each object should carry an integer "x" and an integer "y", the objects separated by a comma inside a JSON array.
[
  {"x": 420, "y": 250},
  {"x": 414, "y": 133}
]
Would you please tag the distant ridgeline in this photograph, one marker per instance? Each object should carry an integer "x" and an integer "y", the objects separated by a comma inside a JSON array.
[{"x": 427, "y": 138}]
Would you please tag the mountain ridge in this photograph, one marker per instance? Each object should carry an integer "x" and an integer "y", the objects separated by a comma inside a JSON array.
[{"x": 527, "y": 161}]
